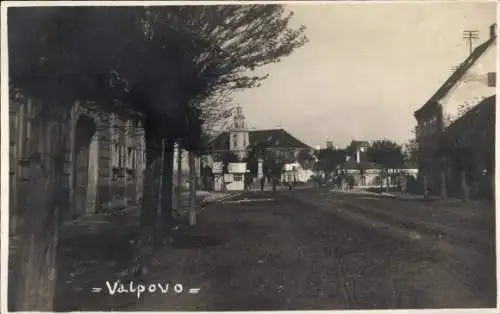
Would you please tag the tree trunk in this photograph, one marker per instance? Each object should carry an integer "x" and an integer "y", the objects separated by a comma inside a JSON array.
[
  {"x": 464, "y": 187},
  {"x": 381, "y": 180},
  {"x": 35, "y": 268},
  {"x": 179, "y": 178},
  {"x": 444, "y": 194},
  {"x": 149, "y": 204},
  {"x": 192, "y": 189},
  {"x": 424, "y": 183},
  {"x": 166, "y": 187},
  {"x": 387, "y": 181}
]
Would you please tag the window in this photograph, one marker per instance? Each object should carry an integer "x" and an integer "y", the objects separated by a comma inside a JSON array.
[
  {"x": 238, "y": 177},
  {"x": 432, "y": 124},
  {"x": 13, "y": 127},
  {"x": 130, "y": 157},
  {"x": 116, "y": 155},
  {"x": 424, "y": 128},
  {"x": 492, "y": 82},
  {"x": 123, "y": 156},
  {"x": 235, "y": 140},
  {"x": 417, "y": 131}
]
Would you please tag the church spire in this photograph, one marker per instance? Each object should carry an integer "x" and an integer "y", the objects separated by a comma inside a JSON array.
[{"x": 239, "y": 118}]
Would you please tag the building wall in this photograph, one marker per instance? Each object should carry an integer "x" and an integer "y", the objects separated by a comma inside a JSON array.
[
  {"x": 106, "y": 169},
  {"x": 30, "y": 136},
  {"x": 122, "y": 162},
  {"x": 474, "y": 86},
  {"x": 236, "y": 182}
]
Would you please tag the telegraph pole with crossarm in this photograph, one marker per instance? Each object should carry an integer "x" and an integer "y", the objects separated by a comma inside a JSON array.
[{"x": 470, "y": 36}]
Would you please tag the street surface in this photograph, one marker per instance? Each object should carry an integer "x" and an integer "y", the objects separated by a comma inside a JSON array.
[{"x": 314, "y": 249}]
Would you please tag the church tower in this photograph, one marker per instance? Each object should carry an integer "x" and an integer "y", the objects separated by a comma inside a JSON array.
[{"x": 238, "y": 135}]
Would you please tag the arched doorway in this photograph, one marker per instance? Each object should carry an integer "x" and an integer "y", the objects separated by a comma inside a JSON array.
[{"x": 85, "y": 129}]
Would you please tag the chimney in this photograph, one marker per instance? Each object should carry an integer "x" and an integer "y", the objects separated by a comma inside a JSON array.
[
  {"x": 358, "y": 157},
  {"x": 493, "y": 30}
]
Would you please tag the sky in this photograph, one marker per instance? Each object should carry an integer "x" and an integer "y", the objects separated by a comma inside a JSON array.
[{"x": 366, "y": 69}]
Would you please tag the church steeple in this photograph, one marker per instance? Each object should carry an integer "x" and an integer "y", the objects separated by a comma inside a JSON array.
[
  {"x": 239, "y": 137},
  {"x": 239, "y": 118}
]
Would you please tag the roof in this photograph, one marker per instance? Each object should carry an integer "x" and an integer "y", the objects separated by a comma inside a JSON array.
[
  {"x": 457, "y": 75},
  {"x": 352, "y": 164},
  {"x": 479, "y": 117},
  {"x": 274, "y": 138},
  {"x": 409, "y": 165}
]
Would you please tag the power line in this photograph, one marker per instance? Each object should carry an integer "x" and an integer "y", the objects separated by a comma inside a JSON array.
[{"x": 470, "y": 36}]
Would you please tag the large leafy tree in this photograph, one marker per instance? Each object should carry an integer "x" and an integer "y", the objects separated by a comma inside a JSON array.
[
  {"x": 330, "y": 159},
  {"x": 226, "y": 158},
  {"x": 306, "y": 159},
  {"x": 169, "y": 65},
  {"x": 411, "y": 151},
  {"x": 388, "y": 154},
  {"x": 257, "y": 151}
]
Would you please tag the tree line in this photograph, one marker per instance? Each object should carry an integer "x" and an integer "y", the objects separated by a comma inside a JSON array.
[{"x": 381, "y": 154}]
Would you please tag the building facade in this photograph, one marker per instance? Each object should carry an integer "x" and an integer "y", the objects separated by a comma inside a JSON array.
[
  {"x": 447, "y": 112},
  {"x": 103, "y": 156},
  {"x": 367, "y": 174},
  {"x": 239, "y": 140}
]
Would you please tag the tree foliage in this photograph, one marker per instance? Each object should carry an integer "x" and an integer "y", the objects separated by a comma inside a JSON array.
[
  {"x": 306, "y": 159},
  {"x": 255, "y": 152},
  {"x": 329, "y": 159},
  {"x": 174, "y": 65},
  {"x": 173, "y": 60},
  {"x": 226, "y": 157},
  {"x": 386, "y": 153},
  {"x": 411, "y": 151}
]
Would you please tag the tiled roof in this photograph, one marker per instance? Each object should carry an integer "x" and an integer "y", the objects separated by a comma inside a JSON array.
[
  {"x": 409, "y": 165},
  {"x": 273, "y": 138},
  {"x": 352, "y": 164},
  {"x": 457, "y": 75}
]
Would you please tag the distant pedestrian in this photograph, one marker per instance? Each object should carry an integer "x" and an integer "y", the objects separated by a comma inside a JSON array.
[
  {"x": 248, "y": 182},
  {"x": 262, "y": 182},
  {"x": 275, "y": 183},
  {"x": 350, "y": 182}
]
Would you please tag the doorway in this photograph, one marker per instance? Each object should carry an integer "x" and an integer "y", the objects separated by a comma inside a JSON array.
[{"x": 85, "y": 129}]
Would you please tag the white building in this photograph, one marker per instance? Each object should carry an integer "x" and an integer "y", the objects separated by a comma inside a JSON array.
[
  {"x": 238, "y": 140},
  {"x": 476, "y": 83}
]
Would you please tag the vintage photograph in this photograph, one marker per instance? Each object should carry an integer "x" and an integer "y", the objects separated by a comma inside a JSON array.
[{"x": 251, "y": 156}]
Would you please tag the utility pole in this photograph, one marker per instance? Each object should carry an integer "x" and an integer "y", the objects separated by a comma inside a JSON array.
[{"x": 470, "y": 36}]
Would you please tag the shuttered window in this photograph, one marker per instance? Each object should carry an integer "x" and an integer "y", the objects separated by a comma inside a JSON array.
[{"x": 492, "y": 79}]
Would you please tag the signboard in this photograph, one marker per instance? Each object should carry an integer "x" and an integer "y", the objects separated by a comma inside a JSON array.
[
  {"x": 217, "y": 167},
  {"x": 237, "y": 167}
]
